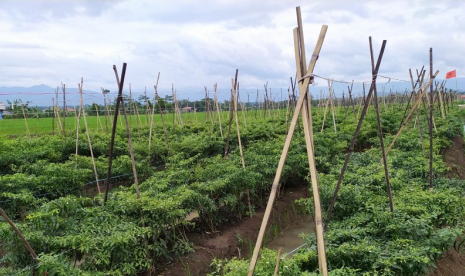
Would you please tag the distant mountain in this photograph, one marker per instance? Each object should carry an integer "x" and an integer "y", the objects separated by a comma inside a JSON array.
[
  {"x": 357, "y": 90},
  {"x": 41, "y": 95}
]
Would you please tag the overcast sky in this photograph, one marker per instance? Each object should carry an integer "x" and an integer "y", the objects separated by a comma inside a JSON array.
[{"x": 198, "y": 43}]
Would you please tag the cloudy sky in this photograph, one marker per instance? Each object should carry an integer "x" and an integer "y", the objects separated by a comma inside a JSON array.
[{"x": 198, "y": 43}]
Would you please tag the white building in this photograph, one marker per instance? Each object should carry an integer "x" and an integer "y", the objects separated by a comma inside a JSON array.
[{"x": 2, "y": 108}]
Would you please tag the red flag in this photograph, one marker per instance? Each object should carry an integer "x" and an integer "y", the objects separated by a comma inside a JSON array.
[{"x": 450, "y": 75}]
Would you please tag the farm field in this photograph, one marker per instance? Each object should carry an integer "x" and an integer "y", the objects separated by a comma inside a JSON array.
[
  {"x": 51, "y": 195},
  {"x": 46, "y": 125},
  {"x": 358, "y": 170}
]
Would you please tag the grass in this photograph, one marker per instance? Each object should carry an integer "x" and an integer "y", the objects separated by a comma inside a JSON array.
[
  {"x": 15, "y": 127},
  {"x": 45, "y": 125}
]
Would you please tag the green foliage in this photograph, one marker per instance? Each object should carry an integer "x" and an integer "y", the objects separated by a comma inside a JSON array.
[{"x": 76, "y": 235}]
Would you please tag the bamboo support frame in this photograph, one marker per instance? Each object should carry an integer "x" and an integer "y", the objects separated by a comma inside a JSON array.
[
  {"x": 113, "y": 131},
  {"x": 88, "y": 137},
  {"x": 78, "y": 121},
  {"x": 306, "y": 117},
  {"x": 128, "y": 134},
  {"x": 20, "y": 235},
  {"x": 235, "y": 102},
  {"x": 330, "y": 84},
  {"x": 217, "y": 109},
  {"x": 276, "y": 269},
  {"x": 25, "y": 120},
  {"x": 354, "y": 138},
  {"x": 380, "y": 130},
  {"x": 152, "y": 119},
  {"x": 107, "y": 113},
  {"x": 431, "y": 118},
  {"x": 64, "y": 109},
  {"x": 417, "y": 102},
  {"x": 285, "y": 151}
]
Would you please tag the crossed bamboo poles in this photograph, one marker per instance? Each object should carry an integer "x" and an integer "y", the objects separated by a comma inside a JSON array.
[{"x": 303, "y": 106}]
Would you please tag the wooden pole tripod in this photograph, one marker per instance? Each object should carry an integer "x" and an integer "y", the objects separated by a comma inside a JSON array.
[{"x": 301, "y": 103}]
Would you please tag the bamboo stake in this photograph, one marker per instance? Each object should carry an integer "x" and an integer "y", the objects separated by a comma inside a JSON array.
[
  {"x": 441, "y": 101},
  {"x": 55, "y": 110},
  {"x": 384, "y": 99},
  {"x": 57, "y": 114},
  {"x": 242, "y": 106},
  {"x": 283, "y": 157},
  {"x": 120, "y": 121},
  {"x": 208, "y": 114},
  {"x": 177, "y": 113},
  {"x": 276, "y": 269},
  {"x": 309, "y": 108},
  {"x": 234, "y": 83},
  {"x": 78, "y": 119},
  {"x": 257, "y": 104},
  {"x": 307, "y": 116},
  {"x": 25, "y": 119},
  {"x": 179, "y": 109},
  {"x": 430, "y": 103},
  {"x": 422, "y": 94},
  {"x": 64, "y": 109},
  {"x": 299, "y": 48},
  {"x": 248, "y": 104},
  {"x": 332, "y": 104},
  {"x": 421, "y": 133},
  {"x": 195, "y": 113},
  {"x": 380, "y": 130},
  {"x": 206, "y": 105},
  {"x": 431, "y": 119},
  {"x": 211, "y": 107},
  {"x": 106, "y": 109},
  {"x": 265, "y": 102},
  {"x": 109, "y": 111},
  {"x": 146, "y": 107},
  {"x": 226, "y": 147},
  {"x": 271, "y": 104},
  {"x": 53, "y": 116},
  {"x": 162, "y": 118},
  {"x": 20, "y": 235},
  {"x": 287, "y": 108},
  {"x": 354, "y": 138},
  {"x": 152, "y": 119},
  {"x": 128, "y": 134},
  {"x": 417, "y": 116},
  {"x": 136, "y": 109},
  {"x": 113, "y": 131},
  {"x": 444, "y": 98},
  {"x": 88, "y": 137},
  {"x": 324, "y": 115},
  {"x": 130, "y": 109},
  {"x": 351, "y": 100},
  {"x": 217, "y": 109},
  {"x": 98, "y": 118},
  {"x": 363, "y": 90}
]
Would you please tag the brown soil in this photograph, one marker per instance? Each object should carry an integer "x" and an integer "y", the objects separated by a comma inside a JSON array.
[
  {"x": 454, "y": 158},
  {"x": 225, "y": 243},
  {"x": 453, "y": 263}
]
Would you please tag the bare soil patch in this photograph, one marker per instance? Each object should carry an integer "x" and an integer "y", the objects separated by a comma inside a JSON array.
[
  {"x": 454, "y": 157},
  {"x": 453, "y": 263},
  {"x": 233, "y": 239}
]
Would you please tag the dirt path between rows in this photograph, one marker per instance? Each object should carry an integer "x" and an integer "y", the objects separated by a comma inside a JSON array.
[
  {"x": 225, "y": 243},
  {"x": 452, "y": 263},
  {"x": 234, "y": 239}
]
